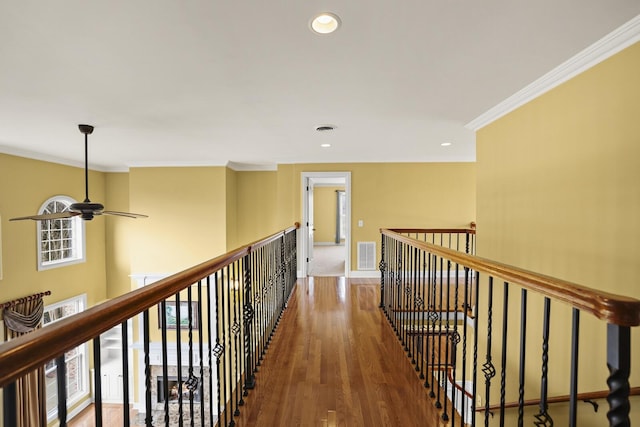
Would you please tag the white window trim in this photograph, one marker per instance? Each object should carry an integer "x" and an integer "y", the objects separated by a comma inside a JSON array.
[
  {"x": 80, "y": 241},
  {"x": 83, "y": 353}
]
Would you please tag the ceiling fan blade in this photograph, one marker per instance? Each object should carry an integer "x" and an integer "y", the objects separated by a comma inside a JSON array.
[
  {"x": 127, "y": 214},
  {"x": 42, "y": 217}
]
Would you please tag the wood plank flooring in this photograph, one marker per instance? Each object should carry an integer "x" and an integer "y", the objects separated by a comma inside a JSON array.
[{"x": 335, "y": 361}]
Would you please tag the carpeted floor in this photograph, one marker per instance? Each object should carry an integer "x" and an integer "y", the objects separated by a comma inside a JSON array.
[{"x": 328, "y": 260}]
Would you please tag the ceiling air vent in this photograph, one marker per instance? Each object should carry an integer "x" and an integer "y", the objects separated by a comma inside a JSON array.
[{"x": 325, "y": 128}]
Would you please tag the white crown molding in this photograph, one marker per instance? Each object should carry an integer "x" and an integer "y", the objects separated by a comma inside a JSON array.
[
  {"x": 609, "y": 45},
  {"x": 251, "y": 167}
]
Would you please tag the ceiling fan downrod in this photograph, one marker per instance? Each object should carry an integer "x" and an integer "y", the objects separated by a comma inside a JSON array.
[{"x": 86, "y": 130}]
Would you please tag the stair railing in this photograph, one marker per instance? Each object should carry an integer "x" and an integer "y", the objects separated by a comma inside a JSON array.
[
  {"x": 453, "y": 313},
  {"x": 212, "y": 324}
]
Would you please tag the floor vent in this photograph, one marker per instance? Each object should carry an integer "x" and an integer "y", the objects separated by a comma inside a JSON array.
[{"x": 366, "y": 255}]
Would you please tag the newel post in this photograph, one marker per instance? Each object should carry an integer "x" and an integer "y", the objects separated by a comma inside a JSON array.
[{"x": 619, "y": 364}]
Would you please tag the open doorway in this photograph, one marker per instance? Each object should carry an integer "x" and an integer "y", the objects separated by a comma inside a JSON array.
[{"x": 326, "y": 224}]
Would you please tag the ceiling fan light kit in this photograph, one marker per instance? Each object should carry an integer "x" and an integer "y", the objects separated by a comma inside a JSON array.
[{"x": 86, "y": 209}]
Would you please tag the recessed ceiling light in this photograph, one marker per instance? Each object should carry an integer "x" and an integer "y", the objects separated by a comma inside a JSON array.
[
  {"x": 325, "y": 23},
  {"x": 325, "y": 145},
  {"x": 445, "y": 144}
]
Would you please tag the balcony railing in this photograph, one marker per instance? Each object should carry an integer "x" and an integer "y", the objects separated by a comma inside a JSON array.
[
  {"x": 204, "y": 333},
  {"x": 483, "y": 353}
]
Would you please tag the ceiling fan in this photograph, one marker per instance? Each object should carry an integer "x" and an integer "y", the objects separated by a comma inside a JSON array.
[{"x": 87, "y": 209}]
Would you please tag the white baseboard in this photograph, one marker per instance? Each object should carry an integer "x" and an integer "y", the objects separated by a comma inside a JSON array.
[{"x": 364, "y": 274}]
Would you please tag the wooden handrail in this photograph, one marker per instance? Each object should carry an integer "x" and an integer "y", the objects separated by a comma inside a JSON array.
[
  {"x": 593, "y": 395},
  {"x": 28, "y": 352},
  {"x": 614, "y": 309},
  {"x": 436, "y": 230}
]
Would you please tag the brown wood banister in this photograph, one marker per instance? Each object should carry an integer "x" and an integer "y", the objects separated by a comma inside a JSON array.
[
  {"x": 614, "y": 309},
  {"x": 436, "y": 230},
  {"x": 593, "y": 395},
  {"x": 28, "y": 352}
]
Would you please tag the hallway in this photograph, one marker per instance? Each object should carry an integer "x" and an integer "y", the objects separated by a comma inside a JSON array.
[{"x": 335, "y": 361}]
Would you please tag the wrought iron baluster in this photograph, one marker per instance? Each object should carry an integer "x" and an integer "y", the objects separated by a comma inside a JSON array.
[
  {"x": 235, "y": 329},
  {"x": 211, "y": 347},
  {"x": 126, "y": 417},
  {"x": 97, "y": 382},
  {"x": 201, "y": 353},
  {"x": 162, "y": 315},
  {"x": 523, "y": 353},
  {"x": 619, "y": 364},
  {"x": 488, "y": 369},
  {"x": 424, "y": 320},
  {"x": 464, "y": 342},
  {"x": 9, "y": 404},
  {"x": 440, "y": 325},
  {"x": 218, "y": 349},
  {"x": 61, "y": 376},
  {"x": 247, "y": 314},
  {"x": 147, "y": 369},
  {"x": 503, "y": 368},
  {"x": 455, "y": 340},
  {"x": 446, "y": 312},
  {"x": 179, "y": 358},
  {"x": 543, "y": 418},
  {"x": 573, "y": 393},
  {"x": 227, "y": 290},
  {"x": 192, "y": 381},
  {"x": 381, "y": 266},
  {"x": 475, "y": 349}
]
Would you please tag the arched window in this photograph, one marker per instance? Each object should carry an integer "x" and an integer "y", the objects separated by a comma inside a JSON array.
[{"x": 60, "y": 241}]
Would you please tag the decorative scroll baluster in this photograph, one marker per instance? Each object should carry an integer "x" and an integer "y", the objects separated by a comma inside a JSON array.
[
  {"x": 165, "y": 362},
  {"x": 488, "y": 369},
  {"x": 97, "y": 381},
  {"x": 179, "y": 357},
  {"x": 383, "y": 270},
  {"x": 619, "y": 364},
  {"x": 247, "y": 314},
  {"x": 523, "y": 353},
  {"x": 147, "y": 369},
  {"x": 455, "y": 340},
  {"x": 433, "y": 316},
  {"x": 476, "y": 323},
  {"x": 235, "y": 329},
  {"x": 503, "y": 366},
  {"x": 543, "y": 418},
  {"x": 446, "y": 312},
  {"x": 464, "y": 341},
  {"x": 228, "y": 290},
  {"x": 192, "y": 381},
  {"x": 440, "y": 324},
  {"x": 424, "y": 320}
]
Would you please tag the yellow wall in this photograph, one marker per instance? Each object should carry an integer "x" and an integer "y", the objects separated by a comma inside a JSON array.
[
  {"x": 257, "y": 197},
  {"x": 325, "y": 205},
  {"x": 24, "y": 185},
  {"x": 187, "y": 217},
  {"x": 232, "y": 209},
  {"x": 558, "y": 193},
  {"x": 392, "y": 195},
  {"x": 118, "y": 246}
]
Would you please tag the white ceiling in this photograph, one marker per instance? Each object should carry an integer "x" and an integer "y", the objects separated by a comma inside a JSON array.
[{"x": 199, "y": 82}]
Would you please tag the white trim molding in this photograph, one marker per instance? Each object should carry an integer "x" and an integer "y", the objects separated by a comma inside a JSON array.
[{"x": 619, "y": 39}]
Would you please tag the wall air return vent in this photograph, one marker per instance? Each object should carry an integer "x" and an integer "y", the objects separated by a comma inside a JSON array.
[{"x": 366, "y": 255}]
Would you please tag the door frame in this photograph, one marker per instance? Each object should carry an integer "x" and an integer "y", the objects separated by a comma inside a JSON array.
[{"x": 305, "y": 177}]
